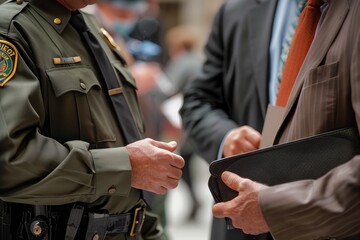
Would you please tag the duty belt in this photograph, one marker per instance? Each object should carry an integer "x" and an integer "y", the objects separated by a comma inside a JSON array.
[
  {"x": 51, "y": 224},
  {"x": 101, "y": 224}
]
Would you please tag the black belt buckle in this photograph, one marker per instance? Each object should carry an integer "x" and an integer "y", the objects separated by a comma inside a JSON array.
[{"x": 138, "y": 220}]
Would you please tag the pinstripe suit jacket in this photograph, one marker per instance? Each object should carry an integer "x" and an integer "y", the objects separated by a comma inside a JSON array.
[{"x": 326, "y": 96}]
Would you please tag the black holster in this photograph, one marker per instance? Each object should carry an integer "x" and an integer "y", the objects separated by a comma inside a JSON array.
[{"x": 32, "y": 222}]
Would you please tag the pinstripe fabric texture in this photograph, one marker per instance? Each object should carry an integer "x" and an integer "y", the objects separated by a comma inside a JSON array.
[{"x": 326, "y": 96}]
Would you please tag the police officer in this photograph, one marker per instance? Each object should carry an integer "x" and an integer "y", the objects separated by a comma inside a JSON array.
[{"x": 73, "y": 164}]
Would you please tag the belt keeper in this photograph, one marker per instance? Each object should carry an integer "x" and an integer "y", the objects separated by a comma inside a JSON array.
[{"x": 74, "y": 221}]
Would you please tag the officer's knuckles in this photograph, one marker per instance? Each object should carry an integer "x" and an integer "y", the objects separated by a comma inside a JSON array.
[
  {"x": 176, "y": 174},
  {"x": 173, "y": 183},
  {"x": 167, "y": 158},
  {"x": 177, "y": 161}
]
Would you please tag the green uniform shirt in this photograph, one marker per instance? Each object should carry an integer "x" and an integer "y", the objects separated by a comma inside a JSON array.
[{"x": 59, "y": 138}]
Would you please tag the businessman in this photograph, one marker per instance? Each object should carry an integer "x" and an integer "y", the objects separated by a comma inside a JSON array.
[{"x": 325, "y": 96}]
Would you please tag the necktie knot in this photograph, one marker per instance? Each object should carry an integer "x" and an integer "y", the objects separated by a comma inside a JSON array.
[{"x": 315, "y": 3}]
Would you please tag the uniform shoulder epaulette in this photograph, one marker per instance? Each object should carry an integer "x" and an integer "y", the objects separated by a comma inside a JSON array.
[{"x": 8, "y": 11}]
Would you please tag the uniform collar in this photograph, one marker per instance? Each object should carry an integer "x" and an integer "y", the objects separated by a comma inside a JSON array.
[{"x": 53, "y": 12}]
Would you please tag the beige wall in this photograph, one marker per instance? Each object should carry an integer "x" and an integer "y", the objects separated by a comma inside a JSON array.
[{"x": 201, "y": 13}]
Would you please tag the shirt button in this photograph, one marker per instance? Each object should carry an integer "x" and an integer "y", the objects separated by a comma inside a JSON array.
[
  {"x": 112, "y": 190},
  {"x": 83, "y": 86},
  {"x": 57, "y": 21}
]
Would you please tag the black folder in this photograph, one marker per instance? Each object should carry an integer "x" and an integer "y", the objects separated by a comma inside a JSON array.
[{"x": 307, "y": 158}]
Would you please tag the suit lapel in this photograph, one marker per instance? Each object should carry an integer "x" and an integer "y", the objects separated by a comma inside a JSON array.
[
  {"x": 324, "y": 38},
  {"x": 260, "y": 21}
]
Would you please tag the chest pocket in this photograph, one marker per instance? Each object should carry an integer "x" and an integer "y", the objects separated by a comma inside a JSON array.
[
  {"x": 78, "y": 108},
  {"x": 316, "y": 107}
]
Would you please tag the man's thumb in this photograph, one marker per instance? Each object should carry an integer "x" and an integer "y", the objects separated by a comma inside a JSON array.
[{"x": 231, "y": 180}]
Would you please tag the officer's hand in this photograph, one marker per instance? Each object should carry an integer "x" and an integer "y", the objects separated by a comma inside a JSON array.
[
  {"x": 155, "y": 167},
  {"x": 241, "y": 140},
  {"x": 244, "y": 210}
]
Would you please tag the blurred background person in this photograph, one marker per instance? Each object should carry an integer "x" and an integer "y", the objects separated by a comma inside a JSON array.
[
  {"x": 184, "y": 64},
  {"x": 146, "y": 41},
  {"x": 119, "y": 18}
]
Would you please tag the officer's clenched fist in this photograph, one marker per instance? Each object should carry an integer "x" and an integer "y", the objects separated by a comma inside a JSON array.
[{"x": 155, "y": 167}]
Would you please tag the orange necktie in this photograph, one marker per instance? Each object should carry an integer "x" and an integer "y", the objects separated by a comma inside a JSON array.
[{"x": 300, "y": 45}]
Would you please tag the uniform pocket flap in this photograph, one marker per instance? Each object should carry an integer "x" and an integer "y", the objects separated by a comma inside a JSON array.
[{"x": 68, "y": 79}]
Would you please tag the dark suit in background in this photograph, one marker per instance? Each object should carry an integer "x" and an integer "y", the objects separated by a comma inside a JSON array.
[{"x": 232, "y": 90}]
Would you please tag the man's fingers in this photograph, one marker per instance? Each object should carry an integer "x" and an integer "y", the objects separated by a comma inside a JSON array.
[
  {"x": 174, "y": 159},
  {"x": 171, "y": 183},
  {"x": 174, "y": 173},
  {"x": 254, "y": 137},
  {"x": 247, "y": 146},
  {"x": 170, "y": 146},
  {"x": 218, "y": 210},
  {"x": 233, "y": 181},
  {"x": 177, "y": 161}
]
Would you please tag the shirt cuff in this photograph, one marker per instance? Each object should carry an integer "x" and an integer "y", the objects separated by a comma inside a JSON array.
[
  {"x": 221, "y": 148},
  {"x": 112, "y": 171}
]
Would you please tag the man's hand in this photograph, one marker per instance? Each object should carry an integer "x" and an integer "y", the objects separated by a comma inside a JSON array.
[
  {"x": 241, "y": 140},
  {"x": 155, "y": 167},
  {"x": 244, "y": 210}
]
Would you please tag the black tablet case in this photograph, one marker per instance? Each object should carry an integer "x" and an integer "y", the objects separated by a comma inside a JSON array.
[{"x": 307, "y": 158}]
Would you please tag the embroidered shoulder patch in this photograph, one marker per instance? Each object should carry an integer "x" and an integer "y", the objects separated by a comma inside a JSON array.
[{"x": 8, "y": 61}]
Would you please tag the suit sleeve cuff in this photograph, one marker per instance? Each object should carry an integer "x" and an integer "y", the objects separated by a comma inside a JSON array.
[
  {"x": 112, "y": 171},
  {"x": 281, "y": 205},
  {"x": 265, "y": 205}
]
